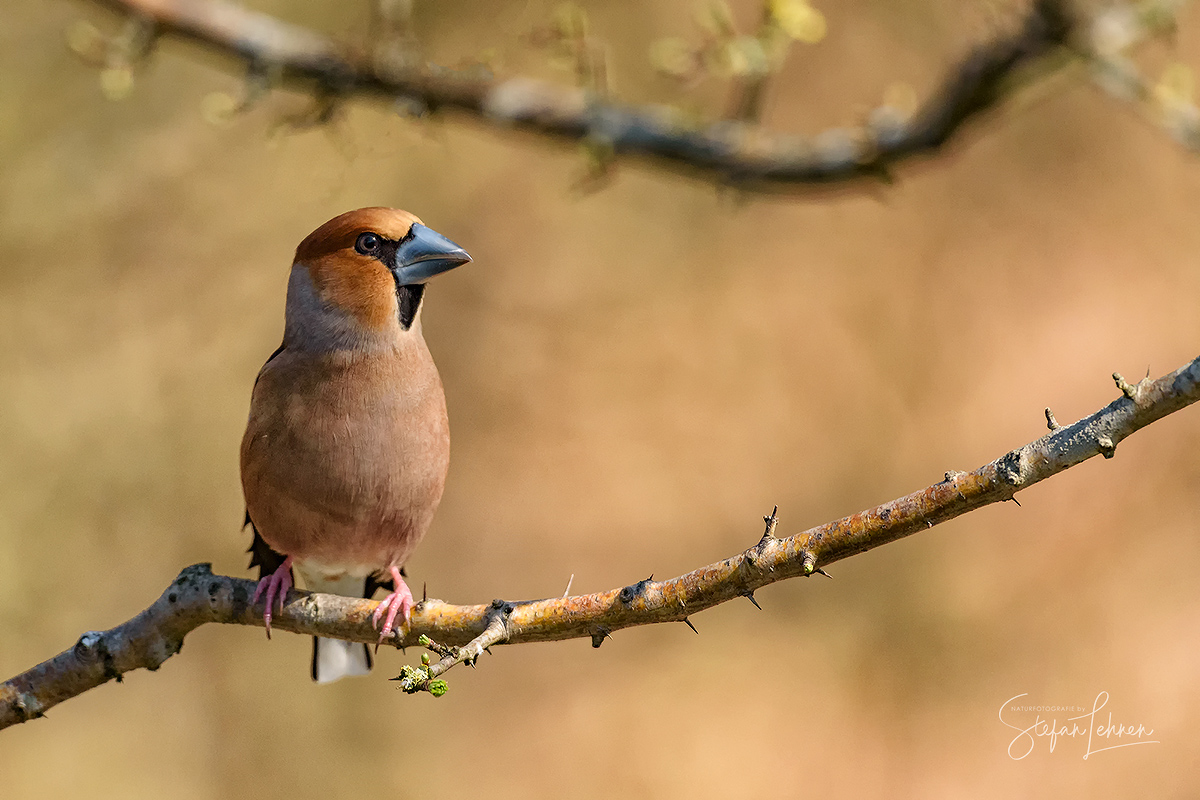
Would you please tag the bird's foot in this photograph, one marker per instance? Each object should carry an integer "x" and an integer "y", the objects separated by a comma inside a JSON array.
[
  {"x": 400, "y": 602},
  {"x": 276, "y": 585}
]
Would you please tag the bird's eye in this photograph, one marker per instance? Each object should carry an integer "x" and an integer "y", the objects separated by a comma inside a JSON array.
[{"x": 368, "y": 243}]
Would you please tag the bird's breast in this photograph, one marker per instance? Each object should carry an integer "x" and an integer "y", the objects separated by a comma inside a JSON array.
[{"x": 345, "y": 455}]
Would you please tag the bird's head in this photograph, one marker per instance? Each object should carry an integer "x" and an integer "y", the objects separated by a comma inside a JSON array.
[{"x": 360, "y": 278}]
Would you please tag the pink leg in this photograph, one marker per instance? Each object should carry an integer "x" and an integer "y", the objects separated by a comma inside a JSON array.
[
  {"x": 398, "y": 602},
  {"x": 276, "y": 585}
]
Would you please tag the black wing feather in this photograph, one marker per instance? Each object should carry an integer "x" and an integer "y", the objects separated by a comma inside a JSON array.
[{"x": 261, "y": 554}]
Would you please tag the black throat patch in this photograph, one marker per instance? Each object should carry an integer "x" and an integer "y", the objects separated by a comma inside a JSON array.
[{"x": 408, "y": 298}]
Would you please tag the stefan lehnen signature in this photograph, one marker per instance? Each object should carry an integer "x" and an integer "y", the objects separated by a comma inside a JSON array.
[{"x": 1084, "y": 724}]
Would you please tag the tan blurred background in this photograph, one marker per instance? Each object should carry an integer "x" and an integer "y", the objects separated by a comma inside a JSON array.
[{"x": 634, "y": 376}]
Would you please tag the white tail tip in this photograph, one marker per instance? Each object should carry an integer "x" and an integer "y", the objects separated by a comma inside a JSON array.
[{"x": 333, "y": 659}]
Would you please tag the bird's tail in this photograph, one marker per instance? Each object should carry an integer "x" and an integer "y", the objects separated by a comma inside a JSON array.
[{"x": 334, "y": 658}]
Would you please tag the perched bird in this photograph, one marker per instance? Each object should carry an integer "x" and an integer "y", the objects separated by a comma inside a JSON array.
[{"x": 347, "y": 445}]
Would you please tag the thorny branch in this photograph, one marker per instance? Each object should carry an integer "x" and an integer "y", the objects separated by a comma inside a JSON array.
[
  {"x": 736, "y": 152},
  {"x": 459, "y": 634}
]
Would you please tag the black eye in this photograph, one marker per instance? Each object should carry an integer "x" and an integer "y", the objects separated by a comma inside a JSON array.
[{"x": 368, "y": 243}]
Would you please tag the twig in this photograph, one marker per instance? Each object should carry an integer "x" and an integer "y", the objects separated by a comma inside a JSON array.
[
  {"x": 1104, "y": 46},
  {"x": 425, "y": 678},
  {"x": 198, "y": 596},
  {"x": 738, "y": 153}
]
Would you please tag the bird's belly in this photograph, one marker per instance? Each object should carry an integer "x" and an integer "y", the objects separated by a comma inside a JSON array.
[
  {"x": 346, "y": 486},
  {"x": 359, "y": 544}
]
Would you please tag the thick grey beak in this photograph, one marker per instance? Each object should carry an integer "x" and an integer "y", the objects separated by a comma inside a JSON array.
[{"x": 426, "y": 253}]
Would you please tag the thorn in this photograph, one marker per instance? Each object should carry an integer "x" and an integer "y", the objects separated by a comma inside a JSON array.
[
  {"x": 1051, "y": 422},
  {"x": 820, "y": 571},
  {"x": 487, "y": 650},
  {"x": 1126, "y": 388},
  {"x": 571, "y": 580},
  {"x": 688, "y": 622},
  {"x": 772, "y": 523},
  {"x": 750, "y": 596},
  {"x": 599, "y": 635},
  {"x": 424, "y": 591},
  {"x": 1015, "y": 500}
]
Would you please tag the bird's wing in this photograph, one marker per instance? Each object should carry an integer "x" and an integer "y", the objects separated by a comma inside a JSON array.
[
  {"x": 270, "y": 358},
  {"x": 261, "y": 554}
]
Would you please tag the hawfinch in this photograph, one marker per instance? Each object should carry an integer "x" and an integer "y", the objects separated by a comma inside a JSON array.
[{"x": 347, "y": 446}]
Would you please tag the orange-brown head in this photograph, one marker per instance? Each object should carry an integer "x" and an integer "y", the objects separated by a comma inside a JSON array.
[{"x": 361, "y": 275}]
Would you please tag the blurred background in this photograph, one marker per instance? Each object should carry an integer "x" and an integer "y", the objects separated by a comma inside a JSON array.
[{"x": 635, "y": 376}]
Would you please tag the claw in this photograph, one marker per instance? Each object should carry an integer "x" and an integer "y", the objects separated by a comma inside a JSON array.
[
  {"x": 276, "y": 585},
  {"x": 400, "y": 602}
]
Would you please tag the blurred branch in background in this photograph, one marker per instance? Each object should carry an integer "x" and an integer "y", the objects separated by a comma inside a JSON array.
[
  {"x": 459, "y": 634},
  {"x": 735, "y": 151}
]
